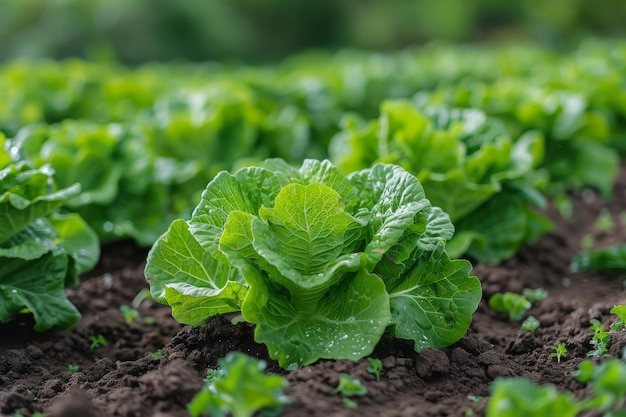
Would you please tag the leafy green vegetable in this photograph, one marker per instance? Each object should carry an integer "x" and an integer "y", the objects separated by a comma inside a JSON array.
[
  {"x": 611, "y": 260},
  {"x": 239, "y": 388},
  {"x": 41, "y": 252},
  {"x": 467, "y": 164},
  {"x": 321, "y": 263}
]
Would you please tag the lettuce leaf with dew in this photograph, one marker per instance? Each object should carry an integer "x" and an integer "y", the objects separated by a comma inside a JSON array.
[
  {"x": 308, "y": 255},
  {"x": 185, "y": 276},
  {"x": 463, "y": 159}
]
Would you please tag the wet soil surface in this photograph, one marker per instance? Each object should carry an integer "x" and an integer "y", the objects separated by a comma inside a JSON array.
[{"x": 153, "y": 366}]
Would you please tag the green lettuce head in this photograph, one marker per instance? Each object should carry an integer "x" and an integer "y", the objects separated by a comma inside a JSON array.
[{"x": 321, "y": 263}]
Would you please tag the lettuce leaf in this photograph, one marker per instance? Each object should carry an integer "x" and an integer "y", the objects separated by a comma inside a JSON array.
[{"x": 42, "y": 252}]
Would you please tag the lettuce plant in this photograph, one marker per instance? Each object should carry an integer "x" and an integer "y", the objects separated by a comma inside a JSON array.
[
  {"x": 319, "y": 262},
  {"x": 468, "y": 165},
  {"x": 42, "y": 252}
]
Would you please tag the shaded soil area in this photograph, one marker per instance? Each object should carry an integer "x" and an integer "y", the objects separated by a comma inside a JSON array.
[{"x": 153, "y": 366}]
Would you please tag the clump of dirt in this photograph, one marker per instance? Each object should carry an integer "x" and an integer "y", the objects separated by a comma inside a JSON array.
[{"x": 153, "y": 366}]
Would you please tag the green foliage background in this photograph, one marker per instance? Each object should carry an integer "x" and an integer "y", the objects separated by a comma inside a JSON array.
[{"x": 136, "y": 31}]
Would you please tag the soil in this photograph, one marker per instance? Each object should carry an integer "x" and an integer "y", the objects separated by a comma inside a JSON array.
[{"x": 132, "y": 377}]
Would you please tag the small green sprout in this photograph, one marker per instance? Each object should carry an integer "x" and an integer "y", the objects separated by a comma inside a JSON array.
[
  {"x": 149, "y": 320},
  {"x": 129, "y": 313},
  {"x": 600, "y": 340},
  {"x": 564, "y": 205},
  {"x": 375, "y": 367},
  {"x": 560, "y": 350},
  {"x": 537, "y": 294},
  {"x": 530, "y": 324},
  {"x": 348, "y": 403},
  {"x": 73, "y": 368},
  {"x": 97, "y": 341},
  {"x": 156, "y": 354},
  {"x": 620, "y": 323},
  {"x": 349, "y": 386},
  {"x": 604, "y": 222},
  {"x": 587, "y": 242},
  {"x": 515, "y": 305}
]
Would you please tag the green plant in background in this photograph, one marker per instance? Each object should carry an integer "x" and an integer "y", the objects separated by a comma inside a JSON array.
[
  {"x": 611, "y": 260},
  {"x": 516, "y": 305},
  {"x": 559, "y": 351},
  {"x": 536, "y": 294},
  {"x": 73, "y": 368},
  {"x": 604, "y": 222},
  {"x": 349, "y": 387},
  {"x": 321, "y": 263},
  {"x": 129, "y": 313},
  {"x": 468, "y": 165},
  {"x": 239, "y": 388},
  {"x": 530, "y": 324},
  {"x": 375, "y": 367}
]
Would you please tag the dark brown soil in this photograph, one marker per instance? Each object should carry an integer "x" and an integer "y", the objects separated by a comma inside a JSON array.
[{"x": 123, "y": 379}]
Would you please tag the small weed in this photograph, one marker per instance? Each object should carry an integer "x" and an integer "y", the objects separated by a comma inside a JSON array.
[
  {"x": 560, "y": 350},
  {"x": 536, "y": 294},
  {"x": 156, "y": 354},
  {"x": 97, "y": 341},
  {"x": 348, "y": 403},
  {"x": 149, "y": 320},
  {"x": 587, "y": 242},
  {"x": 604, "y": 222},
  {"x": 73, "y": 368},
  {"x": 530, "y": 324},
  {"x": 129, "y": 313},
  {"x": 375, "y": 367},
  {"x": 349, "y": 386}
]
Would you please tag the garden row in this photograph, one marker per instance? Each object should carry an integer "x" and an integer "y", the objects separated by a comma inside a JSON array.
[{"x": 432, "y": 154}]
